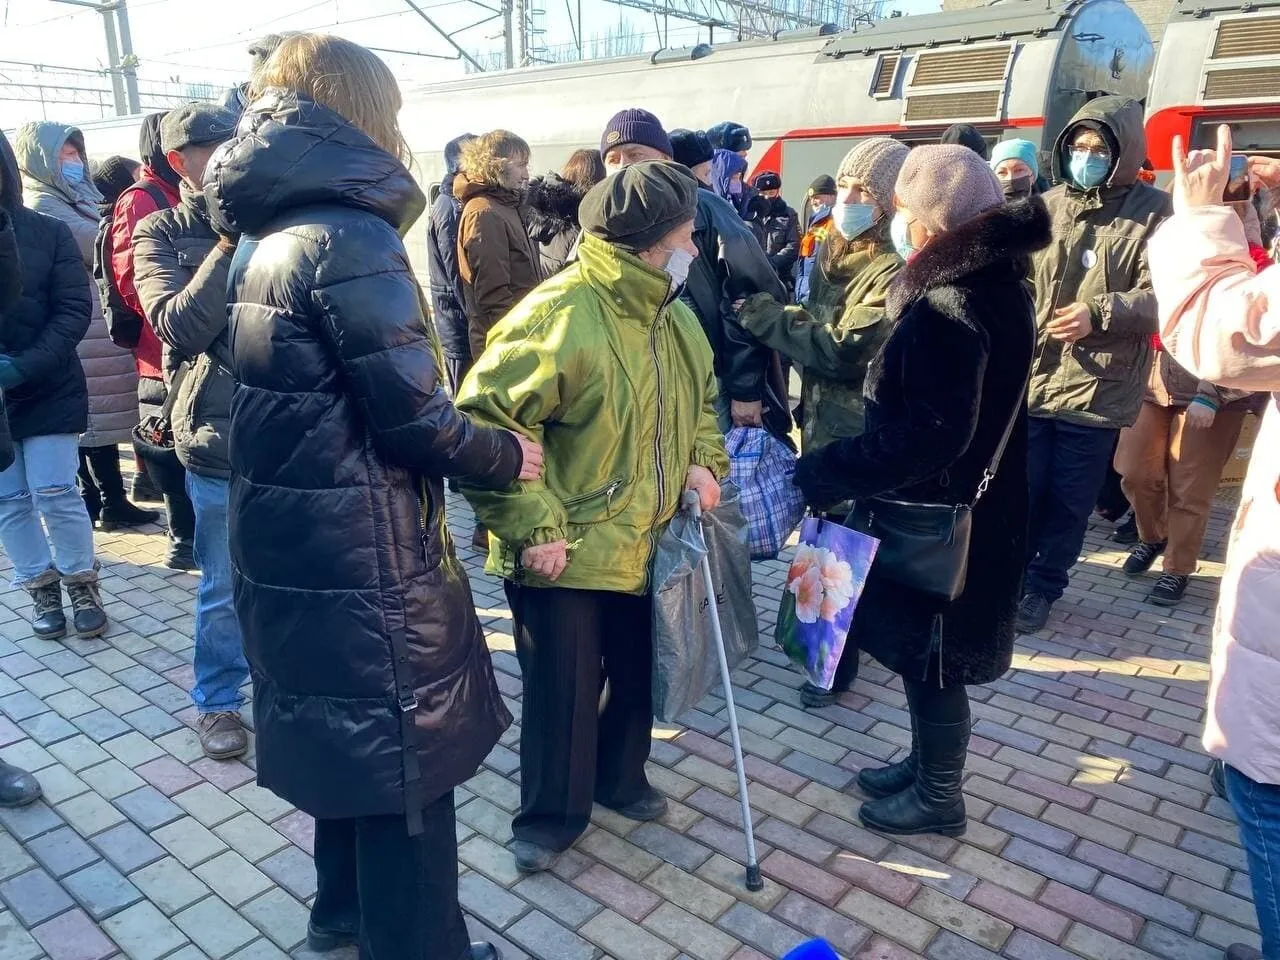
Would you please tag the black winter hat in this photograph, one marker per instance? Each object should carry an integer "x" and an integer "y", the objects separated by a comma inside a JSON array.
[
  {"x": 730, "y": 136},
  {"x": 768, "y": 181},
  {"x": 639, "y": 205},
  {"x": 691, "y": 147},
  {"x": 635, "y": 126},
  {"x": 967, "y": 135},
  {"x": 824, "y": 185}
]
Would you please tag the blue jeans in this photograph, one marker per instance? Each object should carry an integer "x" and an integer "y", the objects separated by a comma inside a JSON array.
[
  {"x": 1257, "y": 809},
  {"x": 1066, "y": 467},
  {"x": 41, "y": 484},
  {"x": 220, "y": 667}
]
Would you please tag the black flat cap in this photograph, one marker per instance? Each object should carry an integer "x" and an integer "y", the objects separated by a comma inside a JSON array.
[
  {"x": 639, "y": 205},
  {"x": 196, "y": 124}
]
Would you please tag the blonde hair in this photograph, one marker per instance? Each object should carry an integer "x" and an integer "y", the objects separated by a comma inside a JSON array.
[
  {"x": 484, "y": 158},
  {"x": 343, "y": 76}
]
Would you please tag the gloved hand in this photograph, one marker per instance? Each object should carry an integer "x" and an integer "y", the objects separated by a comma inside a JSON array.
[{"x": 10, "y": 376}]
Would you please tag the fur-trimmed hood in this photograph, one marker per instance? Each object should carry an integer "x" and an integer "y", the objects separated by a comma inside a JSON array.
[
  {"x": 1009, "y": 233},
  {"x": 552, "y": 207}
]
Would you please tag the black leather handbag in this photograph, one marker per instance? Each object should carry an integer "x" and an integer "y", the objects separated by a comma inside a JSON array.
[{"x": 925, "y": 546}]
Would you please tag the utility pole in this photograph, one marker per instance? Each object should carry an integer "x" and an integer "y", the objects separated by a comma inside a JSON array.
[
  {"x": 522, "y": 32},
  {"x": 508, "y": 34},
  {"x": 121, "y": 61}
]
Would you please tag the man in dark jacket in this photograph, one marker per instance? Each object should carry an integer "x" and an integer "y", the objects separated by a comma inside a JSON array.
[
  {"x": 1096, "y": 312},
  {"x": 730, "y": 265},
  {"x": 47, "y": 403},
  {"x": 447, "y": 308},
  {"x": 156, "y": 189},
  {"x": 17, "y": 787},
  {"x": 180, "y": 272},
  {"x": 780, "y": 227}
]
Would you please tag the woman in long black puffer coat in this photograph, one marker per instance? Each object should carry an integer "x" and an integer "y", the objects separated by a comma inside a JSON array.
[
  {"x": 939, "y": 397},
  {"x": 374, "y": 691}
]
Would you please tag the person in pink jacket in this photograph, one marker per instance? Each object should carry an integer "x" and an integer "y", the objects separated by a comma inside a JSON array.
[{"x": 1220, "y": 319}]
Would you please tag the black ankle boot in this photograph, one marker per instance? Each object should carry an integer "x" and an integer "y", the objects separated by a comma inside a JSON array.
[
  {"x": 878, "y": 782},
  {"x": 121, "y": 513},
  {"x": 17, "y": 787},
  {"x": 48, "y": 619},
  {"x": 934, "y": 803}
]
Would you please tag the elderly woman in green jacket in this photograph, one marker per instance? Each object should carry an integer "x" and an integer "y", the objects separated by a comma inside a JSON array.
[
  {"x": 835, "y": 335},
  {"x": 612, "y": 374}
]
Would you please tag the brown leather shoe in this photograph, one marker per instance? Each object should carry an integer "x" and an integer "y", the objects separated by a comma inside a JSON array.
[
  {"x": 480, "y": 539},
  {"x": 223, "y": 736}
]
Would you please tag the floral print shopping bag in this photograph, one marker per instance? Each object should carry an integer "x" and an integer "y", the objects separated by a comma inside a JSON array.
[{"x": 822, "y": 591}]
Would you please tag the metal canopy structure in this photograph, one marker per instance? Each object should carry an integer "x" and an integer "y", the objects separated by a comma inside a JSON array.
[{"x": 757, "y": 19}]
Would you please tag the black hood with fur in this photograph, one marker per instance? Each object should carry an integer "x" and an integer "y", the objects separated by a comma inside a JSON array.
[
  {"x": 552, "y": 207},
  {"x": 152, "y": 153}
]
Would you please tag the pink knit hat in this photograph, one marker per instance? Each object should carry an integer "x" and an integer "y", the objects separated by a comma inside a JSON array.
[{"x": 946, "y": 185}]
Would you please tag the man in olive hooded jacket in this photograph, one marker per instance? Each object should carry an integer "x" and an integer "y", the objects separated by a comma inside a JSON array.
[{"x": 1095, "y": 314}]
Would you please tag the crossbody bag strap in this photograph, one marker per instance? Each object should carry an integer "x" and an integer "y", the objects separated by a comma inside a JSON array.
[{"x": 989, "y": 473}]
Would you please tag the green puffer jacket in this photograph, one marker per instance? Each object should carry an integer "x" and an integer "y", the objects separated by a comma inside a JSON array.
[
  {"x": 614, "y": 378},
  {"x": 1099, "y": 257},
  {"x": 834, "y": 338}
]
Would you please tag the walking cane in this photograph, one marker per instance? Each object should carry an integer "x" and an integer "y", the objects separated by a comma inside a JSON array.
[{"x": 754, "y": 883}]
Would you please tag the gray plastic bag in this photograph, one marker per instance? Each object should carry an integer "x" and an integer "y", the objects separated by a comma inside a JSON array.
[{"x": 685, "y": 663}]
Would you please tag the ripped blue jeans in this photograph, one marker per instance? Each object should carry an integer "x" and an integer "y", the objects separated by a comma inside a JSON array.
[{"x": 41, "y": 484}]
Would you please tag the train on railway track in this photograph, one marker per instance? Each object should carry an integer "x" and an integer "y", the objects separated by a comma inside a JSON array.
[{"x": 1012, "y": 68}]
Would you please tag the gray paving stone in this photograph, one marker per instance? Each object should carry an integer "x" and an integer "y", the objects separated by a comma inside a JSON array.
[
  {"x": 169, "y": 885},
  {"x": 102, "y": 890},
  {"x": 79, "y": 753},
  {"x": 280, "y": 917},
  {"x": 34, "y": 897},
  {"x": 491, "y": 903},
  {"x": 215, "y": 928},
  {"x": 111, "y": 779},
  {"x": 188, "y": 841},
  {"x": 263, "y": 803},
  {"x": 47, "y": 728},
  {"x": 149, "y": 808},
  {"x": 100, "y": 725},
  {"x": 233, "y": 878},
  {"x": 133, "y": 749},
  {"x": 208, "y": 804},
  {"x": 89, "y": 814},
  {"x": 61, "y": 851},
  {"x": 143, "y": 932},
  {"x": 127, "y": 847},
  {"x": 759, "y": 930},
  {"x": 558, "y": 899},
  {"x": 544, "y": 938},
  {"x": 27, "y": 822},
  {"x": 152, "y": 722},
  {"x": 20, "y": 705},
  {"x": 294, "y": 870},
  {"x": 250, "y": 837},
  {"x": 15, "y": 942},
  {"x": 13, "y": 858},
  {"x": 266, "y": 950}
]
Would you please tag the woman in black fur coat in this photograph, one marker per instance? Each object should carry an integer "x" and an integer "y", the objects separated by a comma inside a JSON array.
[
  {"x": 551, "y": 208},
  {"x": 939, "y": 398}
]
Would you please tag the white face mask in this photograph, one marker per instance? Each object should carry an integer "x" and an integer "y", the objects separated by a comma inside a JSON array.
[{"x": 677, "y": 267}]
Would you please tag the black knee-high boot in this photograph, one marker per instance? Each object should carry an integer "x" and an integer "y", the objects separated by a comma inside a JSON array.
[
  {"x": 877, "y": 782},
  {"x": 934, "y": 803}
]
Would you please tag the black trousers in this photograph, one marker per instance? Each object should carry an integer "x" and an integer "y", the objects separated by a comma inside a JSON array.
[
  {"x": 571, "y": 751},
  {"x": 169, "y": 476},
  {"x": 400, "y": 892},
  {"x": 99, "y": 478}
]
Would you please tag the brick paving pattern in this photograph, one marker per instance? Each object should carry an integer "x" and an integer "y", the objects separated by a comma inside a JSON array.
[{"x": 1093, "y": 831}]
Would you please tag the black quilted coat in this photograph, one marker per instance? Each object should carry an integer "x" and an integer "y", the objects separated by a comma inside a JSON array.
[
  {"x": 374, "y": 691},
  {"x": 939, "y": 396},
  {"x": 41, "y": 329}
]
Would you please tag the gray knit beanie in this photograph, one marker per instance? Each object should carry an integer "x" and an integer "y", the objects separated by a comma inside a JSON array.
[
  {"x": 875, "y": 164},
  {"x": 946, "y": 185}
]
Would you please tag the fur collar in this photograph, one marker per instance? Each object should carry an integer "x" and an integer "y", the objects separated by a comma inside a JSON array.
[
  {"x": 1011, "y": 233},
  {"x": 552, "y": 207}
]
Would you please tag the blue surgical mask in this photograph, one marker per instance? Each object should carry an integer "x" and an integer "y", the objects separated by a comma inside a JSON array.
[
  {"x": 900, "y": 235},
  {"x": 853, "y": 219},
  {"x": 1088, "y": 170},
  {"x": 72, "y": 171},
  {"x": 735, "y": 188},
  {"x": 818, "y": 213}
]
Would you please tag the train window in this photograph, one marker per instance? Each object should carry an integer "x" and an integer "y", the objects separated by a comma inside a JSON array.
[{"x": 1247, "y": 135}]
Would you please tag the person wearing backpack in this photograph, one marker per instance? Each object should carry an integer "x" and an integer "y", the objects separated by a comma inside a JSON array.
[
  {"x": 156, "y": 189},
  {"x": 56, "y": 183}
]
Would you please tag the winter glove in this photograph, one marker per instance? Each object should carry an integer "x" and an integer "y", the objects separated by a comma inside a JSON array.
[{"x": 10, "y": 376}]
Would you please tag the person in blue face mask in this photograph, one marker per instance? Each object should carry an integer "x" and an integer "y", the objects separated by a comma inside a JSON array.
[
  {"x": 1095, "y": 315},
  {"x": 834, "y": 337}
]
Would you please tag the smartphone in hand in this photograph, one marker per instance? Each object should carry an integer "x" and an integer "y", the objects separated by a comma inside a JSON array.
[{"x": 1238, "y": 185}]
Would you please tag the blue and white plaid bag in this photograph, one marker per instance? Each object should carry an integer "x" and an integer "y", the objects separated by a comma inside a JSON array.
[{"x": 762, "y": 467}]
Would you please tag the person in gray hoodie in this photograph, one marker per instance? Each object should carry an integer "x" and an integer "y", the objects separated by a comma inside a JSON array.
[{"x": 56, "y": 182}]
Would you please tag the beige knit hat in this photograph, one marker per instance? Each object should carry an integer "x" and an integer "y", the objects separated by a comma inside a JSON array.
[
  {"x": 875, "y": 164},
  {"x": 946, "y": 185}
]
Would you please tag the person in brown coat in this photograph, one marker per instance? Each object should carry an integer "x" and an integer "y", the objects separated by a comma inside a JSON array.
[
  {"x": 498, "y": 261},
  {"x": 496, "y": 258}
]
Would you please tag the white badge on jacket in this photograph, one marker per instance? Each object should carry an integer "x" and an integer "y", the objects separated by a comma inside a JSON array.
[{"x": 1090, "y": 259}]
